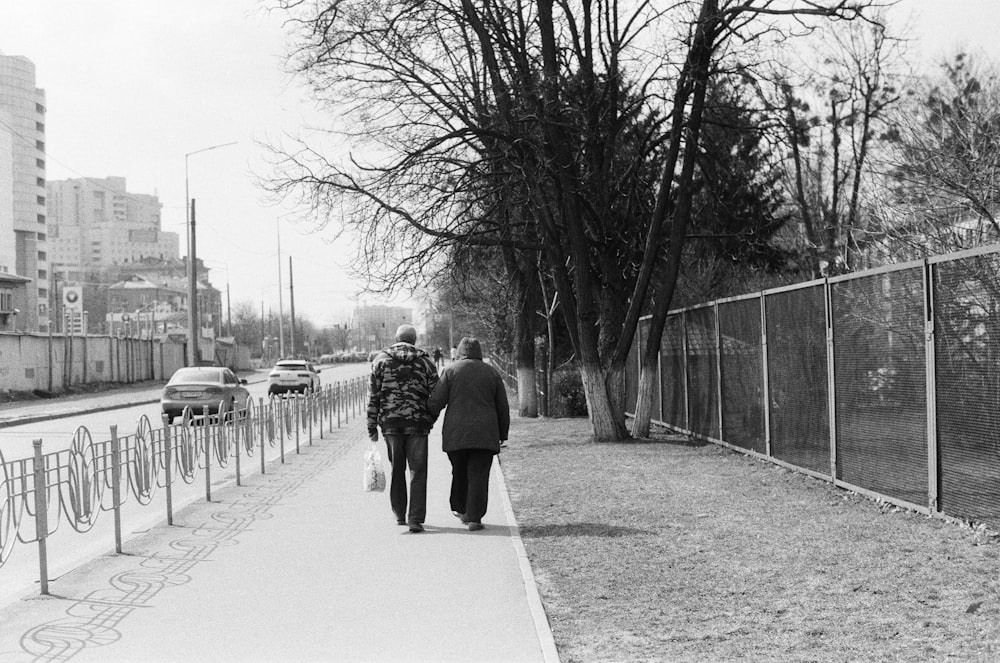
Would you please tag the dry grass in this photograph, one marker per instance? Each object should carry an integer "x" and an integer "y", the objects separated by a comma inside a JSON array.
[{"x": 665, "y": 550}]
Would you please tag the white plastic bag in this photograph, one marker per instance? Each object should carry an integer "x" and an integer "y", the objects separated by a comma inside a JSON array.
[{"x": 374, "y": 479}]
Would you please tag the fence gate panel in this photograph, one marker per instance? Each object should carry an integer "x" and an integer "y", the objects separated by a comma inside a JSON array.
[
  {"x": 703, "y": 372},
  {"x": 672, "y": 378},
  {"x": 742, "y": 374},
  {"x": 881, "y": 383},
  {"x": 797, "y": 375},
  {"x": 967, "y": 366}
]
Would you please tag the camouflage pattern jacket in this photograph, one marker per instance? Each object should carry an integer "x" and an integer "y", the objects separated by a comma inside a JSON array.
[{"x": 402, "y": 380}]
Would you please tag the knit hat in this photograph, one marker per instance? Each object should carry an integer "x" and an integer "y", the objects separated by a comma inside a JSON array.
[
  {"x": 469, "y": 348},
  {"x": 406, "y": 334}
]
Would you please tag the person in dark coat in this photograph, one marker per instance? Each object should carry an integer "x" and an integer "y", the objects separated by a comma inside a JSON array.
[
  {"x": 476, "y": 420},
  {"x": 403, "y": 377}
]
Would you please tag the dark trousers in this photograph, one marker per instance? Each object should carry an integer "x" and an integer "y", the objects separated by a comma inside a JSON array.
[
  {"x": 408, "y": 449},
  {"x": 470, "y": 482}
]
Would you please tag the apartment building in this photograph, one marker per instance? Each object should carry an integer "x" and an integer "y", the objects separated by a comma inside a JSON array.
[
  {"x": 95, "y": 222},
  {"x": 24, "y": 295},
  {"x": 377, "y": 324}
]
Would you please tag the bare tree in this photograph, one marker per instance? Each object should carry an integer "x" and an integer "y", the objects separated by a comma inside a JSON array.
[
  {"x": 500, "y": 124},
  {"x": 834, "y": 117},
  {"x": 944, "y": 170},
  {"x": 716, "y": 26}
]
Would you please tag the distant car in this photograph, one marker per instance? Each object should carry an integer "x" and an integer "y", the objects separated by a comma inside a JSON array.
[
  {"x": 295, "y": 375},
  {"x": 198, "y": 387}
]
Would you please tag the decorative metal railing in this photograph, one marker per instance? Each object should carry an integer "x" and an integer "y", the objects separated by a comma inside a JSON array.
[{"x": 76, "y": 485}]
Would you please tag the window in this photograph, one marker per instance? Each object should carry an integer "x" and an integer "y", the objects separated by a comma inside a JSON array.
[
  {"x": 6, "y": 301},
  {"x": 41, "y": 256},
  {"x": 40, "y": 163},
  {"x": 42, "y": 274},
  {"x": 40, "y": 145},
  {"x": 40, "y": 181},
  {"x": 39, "y": 108},
  {"x": 40, "y": 199},
  {"x": 41, "y": 218},
  {"x": 40, "y": 127}
]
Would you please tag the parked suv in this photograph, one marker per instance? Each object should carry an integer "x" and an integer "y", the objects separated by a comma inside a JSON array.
[{"x": 292, "y": 375}]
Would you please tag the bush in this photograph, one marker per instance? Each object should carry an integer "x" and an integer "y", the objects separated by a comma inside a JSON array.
[{"x": 568, "y": 397}]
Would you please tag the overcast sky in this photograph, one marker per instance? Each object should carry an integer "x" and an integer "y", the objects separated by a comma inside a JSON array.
[{"x": 134, "y": 85}]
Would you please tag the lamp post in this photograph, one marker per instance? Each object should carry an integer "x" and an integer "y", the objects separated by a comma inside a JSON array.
[{"x": 194, "y": 333}]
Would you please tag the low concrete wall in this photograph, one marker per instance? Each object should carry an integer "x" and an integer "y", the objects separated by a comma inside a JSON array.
[{"x": 51, "y": 363}]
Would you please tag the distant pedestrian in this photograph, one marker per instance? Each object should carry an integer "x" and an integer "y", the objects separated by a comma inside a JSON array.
[
  {"x": 403, "y": 377},
  {"x": 438, "y": 357},
  {"x": 476, "y": 421},
  {"x": 454, "y": 353}
]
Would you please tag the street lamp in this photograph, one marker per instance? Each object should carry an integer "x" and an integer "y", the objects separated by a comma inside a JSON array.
[{"x": 194, "y": 335}]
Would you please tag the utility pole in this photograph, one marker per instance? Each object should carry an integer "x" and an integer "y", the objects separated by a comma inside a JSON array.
[
  {"x": 291, "y": 297},
  {"x": 194, "y": 333},
  {"x": 229, "y": 313},
  {"x": 281, "y": 305}
]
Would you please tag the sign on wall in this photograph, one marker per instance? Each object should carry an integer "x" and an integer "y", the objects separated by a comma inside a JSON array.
[{"x": 73, "y": 298}]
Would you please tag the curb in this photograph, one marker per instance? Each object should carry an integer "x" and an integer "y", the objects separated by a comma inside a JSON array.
[
  {"x": 74, "y": 413},
  {"x": 550, "y": 654}
]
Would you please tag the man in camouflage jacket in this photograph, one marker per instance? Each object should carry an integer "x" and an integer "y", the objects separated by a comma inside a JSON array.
[{"x": 402, "y": 379}]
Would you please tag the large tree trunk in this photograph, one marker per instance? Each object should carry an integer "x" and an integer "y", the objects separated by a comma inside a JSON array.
[
  {"x": 644, "y": 403},
  {"x": 527, "y": 391},
  {"x": 607, "y": 422},
  {"x": 702, "y": 48},
  {"x": 614, "y": 379}
]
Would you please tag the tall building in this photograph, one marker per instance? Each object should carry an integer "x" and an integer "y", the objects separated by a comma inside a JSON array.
[
  {"x": 96, "y": 223},
  {"x": 377, "y": 324},
  {"x": 23, "y": 260}
]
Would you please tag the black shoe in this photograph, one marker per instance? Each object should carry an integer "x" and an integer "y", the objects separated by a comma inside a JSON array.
[
  {"x": 400, "y": 521},
  {"x": 460, "y": 516},
  {"x": 416, "y": 528},
  {"x": 475, "y": 527}
]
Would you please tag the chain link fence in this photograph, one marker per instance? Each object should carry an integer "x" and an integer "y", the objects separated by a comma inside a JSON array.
[{"x": 886, "y": 382}]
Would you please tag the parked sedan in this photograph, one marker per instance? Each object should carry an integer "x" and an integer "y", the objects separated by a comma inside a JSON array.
[
  {"x": 292, "y": 375},
  {"x": 200, "y": 386}
]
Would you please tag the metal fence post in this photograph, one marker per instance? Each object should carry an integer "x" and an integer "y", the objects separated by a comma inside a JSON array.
[
  {"x": 719, "y": 347},
  {"x": 765, "y": 375},
  {"x": 930, "y": 359},
  {"x": 237, "y": 442},
  {"x": 337, "y": 404},
  {"x": 310, "y": 412},
  {"x": 281, "y": 428},
  {"x": 168, "y": 459},
  {"x": 116, "y": 475},
  {"x": 831, "y": 370},
  {"x": 684, "y": 353},
  {"x": 207, "y": 442},
  {"x": 262, "y": 433},
  {"x": 41, "y": 517},
  {"x": 296, "y": 412}
]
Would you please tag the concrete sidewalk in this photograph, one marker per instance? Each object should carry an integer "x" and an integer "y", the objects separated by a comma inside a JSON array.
[{"x": 298, "y": 565}]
